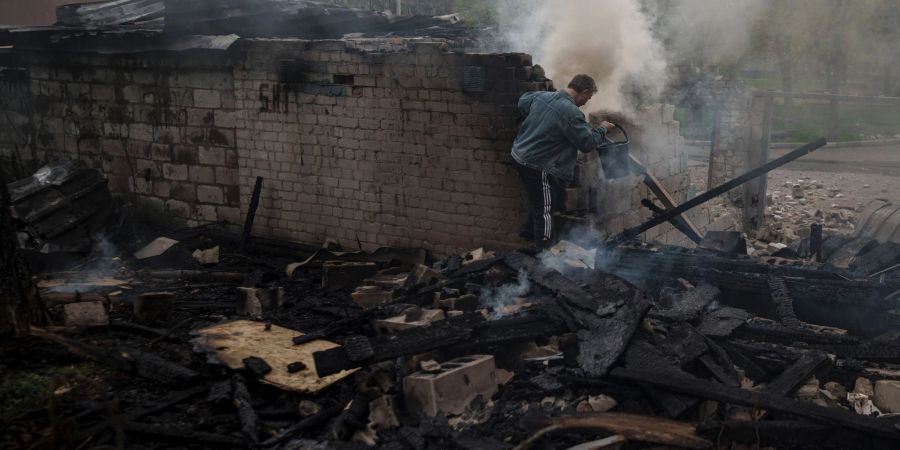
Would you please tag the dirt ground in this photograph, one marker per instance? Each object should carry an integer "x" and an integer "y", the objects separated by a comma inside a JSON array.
[{"x": 814, "y": 193}]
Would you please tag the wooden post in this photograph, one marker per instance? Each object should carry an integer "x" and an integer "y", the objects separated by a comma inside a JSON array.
[
  {"x": 251, "y": 212},
  {"x": 763, "y": 183}
]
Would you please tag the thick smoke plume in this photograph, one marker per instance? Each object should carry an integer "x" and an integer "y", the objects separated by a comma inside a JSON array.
[{"x": 607, "y": 39}]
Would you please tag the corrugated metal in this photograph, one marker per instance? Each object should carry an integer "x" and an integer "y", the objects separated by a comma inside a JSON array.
[
  {"x": 60, "y": 207},
  {"x": 115, "y": 12},
  {"x": 880, "y": 220}
]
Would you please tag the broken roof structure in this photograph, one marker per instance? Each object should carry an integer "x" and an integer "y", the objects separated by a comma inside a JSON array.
[{"x": 176, "y": 25}]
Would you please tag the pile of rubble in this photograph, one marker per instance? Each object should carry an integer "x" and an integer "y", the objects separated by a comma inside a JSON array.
[
  {"x": 796, "y": 205},
  {"x": 275, "y": 345}
]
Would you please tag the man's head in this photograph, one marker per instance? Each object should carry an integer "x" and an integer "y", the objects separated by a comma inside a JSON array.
[{"x": 582, "y": 88}]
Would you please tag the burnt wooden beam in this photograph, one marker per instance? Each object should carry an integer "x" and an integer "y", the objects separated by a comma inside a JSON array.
[
  {"x": 225, "y": 277},
  {"x": 819, "y": 297},
  {"x": 551, "y": 280},
  {"x": 796, "y": 374},
  {"x": 246, "y": 414},
  {"x": 132, "y": 415},
  {"x": 641, "y": 354},
  {"x": 784, "y": 304},
  {"x": 314, "y": 421},
  {"x": 251, "y": 212},
  {"x": 632, "y": 233},
  {"x": 690, "y": 385},
  {"x": 604, "y": 324},
  {"x": 682, "y": 223},
  {"x": 468, "y": 332},
  {"x": 768, "y": 331},
  {"x": 478, "y": 266}
]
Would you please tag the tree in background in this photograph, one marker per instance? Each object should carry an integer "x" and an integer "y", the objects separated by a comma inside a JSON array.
[
  {"x": 477, "y": 13},
  {"x": 880, "y": 38},
  {"x": 782, "y": 33}
]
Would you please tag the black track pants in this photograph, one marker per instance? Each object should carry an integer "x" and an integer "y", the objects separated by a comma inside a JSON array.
[{"x": 546, "y": 195}]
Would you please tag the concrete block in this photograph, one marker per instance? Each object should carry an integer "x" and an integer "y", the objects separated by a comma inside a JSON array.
[
  {"x": 210, "y": 194},
  {"x": 466, "y": 303},
  {"x": 346, "y": 274},
  {"x": 388, "y": 280},
  {"x": 413, "y": 318},
  {"x": 451, "y": 389},
  {"x": 887, "y": 396},
  {"x": 85, "y": 314},
  {"x": 423, "y": 274},
  {"x": 206, "y": 98},
  {"x": 369, "y": 296}
]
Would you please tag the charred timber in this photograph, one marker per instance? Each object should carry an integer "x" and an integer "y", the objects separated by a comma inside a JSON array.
[
  {"x": 690, "y": 385},
  {"x": 860, "y": 307},
  {"x": 632, "y": 233},
  {"x": 471, "y": 329}
]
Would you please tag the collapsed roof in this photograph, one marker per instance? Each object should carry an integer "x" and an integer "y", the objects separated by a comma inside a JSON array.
[{"x": 174, "y": 24}]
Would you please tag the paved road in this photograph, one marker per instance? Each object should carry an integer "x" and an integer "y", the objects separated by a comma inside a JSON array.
[{"x": 882, "y": 159}]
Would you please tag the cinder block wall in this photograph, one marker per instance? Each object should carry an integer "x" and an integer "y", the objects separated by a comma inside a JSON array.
[
  {"x": 375, "y": 142},
  {"x": 657, "y": 144},
  {"x": 371, "y": 142},
  {"x": 162, "y": 130}
]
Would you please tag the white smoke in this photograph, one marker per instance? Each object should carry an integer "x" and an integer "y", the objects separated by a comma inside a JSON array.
[
  {"x": 710, "y": 31},
  {"x": 506, "y": 295},
  {"x": 609, "y": 40}
]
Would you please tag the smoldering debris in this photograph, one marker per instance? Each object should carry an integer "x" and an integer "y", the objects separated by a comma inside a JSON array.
[{"x": 542, "y": 344}]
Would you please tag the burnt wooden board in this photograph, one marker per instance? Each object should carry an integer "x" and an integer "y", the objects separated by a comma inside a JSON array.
[
  {"x": 796, "y": 374},
  {"x": 687, "y": 384}
]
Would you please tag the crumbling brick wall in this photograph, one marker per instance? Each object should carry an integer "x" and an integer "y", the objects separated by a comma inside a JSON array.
[
  {"x": 162, "y": 130},
  {"x": 657, "y": 144},
  {"x": 376, "y": 142},
  {"x": 370, "y": 142}
]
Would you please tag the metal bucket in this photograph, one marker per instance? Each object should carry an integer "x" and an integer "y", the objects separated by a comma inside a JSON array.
[{"x": 614, "y": 157}]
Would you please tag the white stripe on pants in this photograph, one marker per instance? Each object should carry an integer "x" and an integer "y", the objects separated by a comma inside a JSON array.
[{"x": 548, "y": 197}]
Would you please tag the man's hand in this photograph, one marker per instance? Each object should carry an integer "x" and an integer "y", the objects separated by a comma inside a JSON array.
[{"x": 607, "y": 125}]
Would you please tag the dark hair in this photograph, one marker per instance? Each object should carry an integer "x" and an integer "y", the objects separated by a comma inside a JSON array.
[{"x": 582, "y": 82}]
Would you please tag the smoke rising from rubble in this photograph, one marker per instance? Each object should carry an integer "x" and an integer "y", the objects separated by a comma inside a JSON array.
[
  {"x": 100, "y": 262},
  {"x": 505, "y": 295},
  {"x": 609, "y": 40}
]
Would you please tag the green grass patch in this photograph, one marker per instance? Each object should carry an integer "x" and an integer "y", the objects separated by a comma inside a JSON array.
[
  {"x": 807, "y": 121},
  {"x": 24, "y": 391}
]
